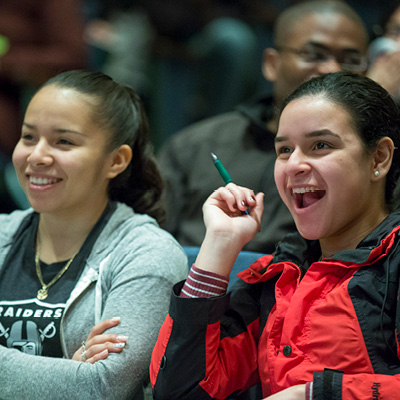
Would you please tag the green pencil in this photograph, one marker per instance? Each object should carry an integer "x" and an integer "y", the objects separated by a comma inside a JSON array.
[
  {"x": 221, "y": 169},
  {"x": 223, "y": 172}
]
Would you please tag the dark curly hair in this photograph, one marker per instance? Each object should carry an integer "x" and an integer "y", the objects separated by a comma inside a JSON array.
[
  {"x": 373, "y": 112},
  {"x": 119, "y": 109}
]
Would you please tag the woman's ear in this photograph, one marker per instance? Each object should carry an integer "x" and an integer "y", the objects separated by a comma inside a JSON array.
[
  {"x": 270, "y": 64},
  {"x": 382, "y": 159},
  {"x": 121, "y": 158}
]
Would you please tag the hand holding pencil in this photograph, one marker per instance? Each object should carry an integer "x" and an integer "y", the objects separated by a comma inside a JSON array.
[
  {"x": 237, "y": 198},
  {"x": 227, "y": 228},
  {"x": 224, "y": 173}
]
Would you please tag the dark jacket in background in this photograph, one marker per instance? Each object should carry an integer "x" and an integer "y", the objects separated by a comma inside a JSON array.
[{"x": 242, "y": 142}]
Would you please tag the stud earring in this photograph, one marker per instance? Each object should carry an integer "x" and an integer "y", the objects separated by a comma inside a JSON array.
[{"x": 376, "y": 173}]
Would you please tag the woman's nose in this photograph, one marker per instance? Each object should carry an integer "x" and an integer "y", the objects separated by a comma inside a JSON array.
[
  {"x": 40, "y": 154},
  {"x": 297, "y": 163}
]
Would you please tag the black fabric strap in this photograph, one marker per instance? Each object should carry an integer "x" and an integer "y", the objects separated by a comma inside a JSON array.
[{"x": 327, "y": 385}]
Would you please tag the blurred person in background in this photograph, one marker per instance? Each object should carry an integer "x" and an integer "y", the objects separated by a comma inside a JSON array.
[
  {"x": 120, "y": 38},
  {"x": 43, "y": 38},
  {"x": 384, "y": 51},
  {"x": 189, "y": 59}
]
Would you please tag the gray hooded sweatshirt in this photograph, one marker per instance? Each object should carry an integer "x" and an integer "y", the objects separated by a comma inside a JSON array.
[{"x": 129, "y": 274}]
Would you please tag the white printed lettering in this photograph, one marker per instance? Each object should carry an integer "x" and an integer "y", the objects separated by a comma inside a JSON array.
[
  {"x": 9, "y": 312},
  {"x": 27, "y": 313}
]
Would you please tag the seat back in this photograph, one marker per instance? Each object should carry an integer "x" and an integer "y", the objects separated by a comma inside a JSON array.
[{"x": 243, "y": 260}]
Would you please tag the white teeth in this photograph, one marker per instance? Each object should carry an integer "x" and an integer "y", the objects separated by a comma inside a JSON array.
[
  {"x": 304, "y": 190},
  {"x": 42, "y": 181}
]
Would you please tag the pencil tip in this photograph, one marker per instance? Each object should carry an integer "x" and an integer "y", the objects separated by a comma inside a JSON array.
[{"x": 214, "y": 157}]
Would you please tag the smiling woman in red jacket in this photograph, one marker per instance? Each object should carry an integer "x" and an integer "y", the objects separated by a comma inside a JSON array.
[{"x": 316, "y": 319}]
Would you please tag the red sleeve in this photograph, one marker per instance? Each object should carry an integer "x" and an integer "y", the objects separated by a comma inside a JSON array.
[
  {"x": 333, "y": 384},
  {"x": 195, "y": 357},
  {"x": 366, "y": 386}
]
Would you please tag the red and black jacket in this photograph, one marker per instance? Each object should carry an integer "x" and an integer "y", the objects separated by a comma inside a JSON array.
[{"x": 333, "y": 322}]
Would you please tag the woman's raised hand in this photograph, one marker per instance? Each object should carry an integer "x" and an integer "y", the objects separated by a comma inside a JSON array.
[
  {"x": 232, "y": 215},
  {"x": 225, "y": 212},
  {"x": 99, "y": 344}
]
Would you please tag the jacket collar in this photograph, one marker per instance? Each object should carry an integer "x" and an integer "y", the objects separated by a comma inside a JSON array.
[
  {"x": 259, "y": 112},
  {"x": 302, "y": 253},
  {"x": 377, "y": 241}
]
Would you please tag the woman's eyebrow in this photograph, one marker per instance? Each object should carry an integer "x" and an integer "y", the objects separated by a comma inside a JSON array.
[
  {"x": 322, "y": 132},
  {"x": 62, "y": 130},
  {"x": 317, "y": 133},
  {"x": 59, "y": 130}
]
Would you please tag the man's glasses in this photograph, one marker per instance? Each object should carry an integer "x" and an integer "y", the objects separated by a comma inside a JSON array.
[{"x": 348, "y": 61}]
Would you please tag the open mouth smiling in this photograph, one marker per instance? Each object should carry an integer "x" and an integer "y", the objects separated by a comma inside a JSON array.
[{"x": 307, "y": 196}]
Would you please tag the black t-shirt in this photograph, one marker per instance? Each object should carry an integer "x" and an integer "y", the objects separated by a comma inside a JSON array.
[{"x": 26, "y": 323}]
